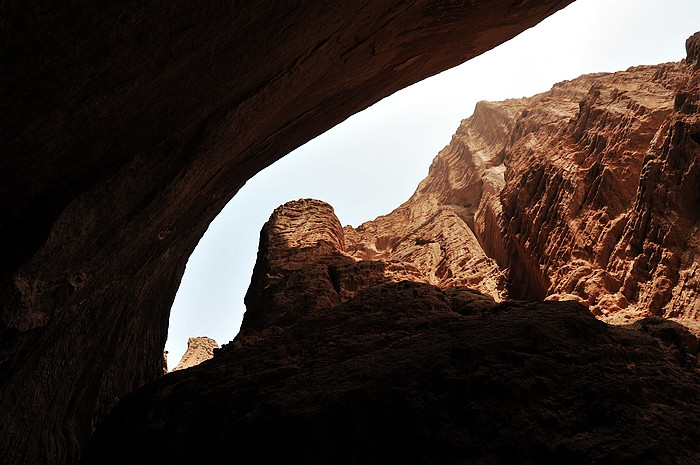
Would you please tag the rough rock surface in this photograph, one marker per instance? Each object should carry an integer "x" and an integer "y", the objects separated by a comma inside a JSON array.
[
  {"x": 127, "y": 126},
  {"x": 307, "y": 261},
  {"x": 377, "y": 372},
  {"x": 692, "y": 47},
  {"x": 602, "y": 195},
  {"x": 428, "y": 239},
  {"x": 198, "y": 350},
  {"x": 590, "y": 191}
]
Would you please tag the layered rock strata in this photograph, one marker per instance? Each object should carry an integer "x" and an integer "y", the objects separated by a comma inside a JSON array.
[
  {"x": 306, "y": 260},
  {"x": 198, "y": 350},
  {"x": 607, "y": 208},
  {"x": 126, "y": 127},
  {"x": 377, "y": 371},
  {"x": 590, "y": 191}
]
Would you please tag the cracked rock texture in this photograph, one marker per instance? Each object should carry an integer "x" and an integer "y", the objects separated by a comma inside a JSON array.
[
  {"x": 125, "y": 129},
  {"x": 590, "y": 191},
  {"x": 601, "y": 201},
  {"x": 198, "y": 350}
]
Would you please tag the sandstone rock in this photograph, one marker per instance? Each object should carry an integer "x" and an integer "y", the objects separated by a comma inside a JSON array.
[
  {"x": 302, "y": 265},
  {"x": 434, "y": 231},
  {"x": 198, "y": 350},
  {"x": 127, "y": 127},
  {"x": 307, "y": 261},
  {"x": 594, "y": 206}
]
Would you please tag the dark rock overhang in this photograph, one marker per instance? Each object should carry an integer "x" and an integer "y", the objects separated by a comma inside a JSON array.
[{"x": 126, "y": 127}]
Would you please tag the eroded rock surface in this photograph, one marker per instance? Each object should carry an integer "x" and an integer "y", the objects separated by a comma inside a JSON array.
[
  {"x": 126, "y": 127},
  {"x": 590, "y": 191},
  {"x": 601, "y": 201},
  {"x": 198, "y": 350}
]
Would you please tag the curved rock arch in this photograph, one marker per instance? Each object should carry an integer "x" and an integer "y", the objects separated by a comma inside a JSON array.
[{"x": 127, "y": 127}]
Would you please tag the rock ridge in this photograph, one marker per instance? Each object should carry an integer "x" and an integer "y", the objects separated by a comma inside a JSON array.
[
  {"x": 588, "y": 192},
  {"x": 411, "y": 373}
]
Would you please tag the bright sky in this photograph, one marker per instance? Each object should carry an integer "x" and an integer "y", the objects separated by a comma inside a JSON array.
[{"x": 372, "y": 162}]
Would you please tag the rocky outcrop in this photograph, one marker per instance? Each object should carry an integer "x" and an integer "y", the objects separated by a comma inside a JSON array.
[
  {"x": 601, "y": 199},
  {"x": 435, "y": 232},
  {"x": 307, "y": 261},
  {"x": 127, "y": 127},
  {"x": 692, "y": 47},
  {"x": 198, "y": 350},
  {"x": 301, "y": 250}
]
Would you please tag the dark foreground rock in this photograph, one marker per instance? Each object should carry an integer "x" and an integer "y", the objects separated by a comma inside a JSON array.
[{"x": 408, "y": 373}]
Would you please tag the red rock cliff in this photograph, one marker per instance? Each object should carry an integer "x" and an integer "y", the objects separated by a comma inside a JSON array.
[
  {"x": 589, "y": 192},
  {"x": 338, "y": 363},
  {"x": 601, "y": 199}
]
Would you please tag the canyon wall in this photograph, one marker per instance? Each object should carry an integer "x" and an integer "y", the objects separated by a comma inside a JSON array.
[
  {"x": 126, "y": 127},
  {"x": 610, "y": 214},
  {"x": 398, "y": 341},
  {"x": 590, "y": 191}
]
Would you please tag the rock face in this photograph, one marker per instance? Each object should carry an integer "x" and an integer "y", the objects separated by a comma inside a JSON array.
[
  {"x": 590, "y": 191},
  {"x": 306, "y": 260},
  {"x": 126, "y": 127},
  {"x": 692, "y": 47},
  {"x": 378, "y": 371},
  {"x": 198, "y": 350},
  {"x": 389, "y": 343},
  {"x": 601, "y": 200}
]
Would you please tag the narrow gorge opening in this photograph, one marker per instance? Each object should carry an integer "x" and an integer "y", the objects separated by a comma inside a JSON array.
[{"x": 373, "y": 162}]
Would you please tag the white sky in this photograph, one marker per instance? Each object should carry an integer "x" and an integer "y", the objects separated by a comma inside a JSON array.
[{"x": 372, "y": 162}]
